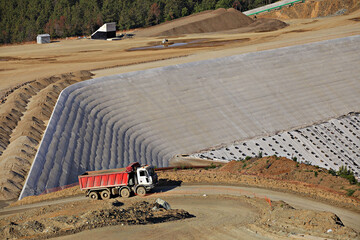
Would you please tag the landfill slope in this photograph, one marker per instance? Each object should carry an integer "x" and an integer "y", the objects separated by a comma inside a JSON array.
[
  {"x": 210, "y": 21},
  {"x": 149, "y": 116}
]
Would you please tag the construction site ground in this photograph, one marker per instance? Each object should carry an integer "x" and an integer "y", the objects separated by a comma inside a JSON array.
[
  {"x": 27, "y": 62},
  {"x": 218, "y": 211},
  {"x": 44, "y": 69},
  {"x": 267, "y": 205}
]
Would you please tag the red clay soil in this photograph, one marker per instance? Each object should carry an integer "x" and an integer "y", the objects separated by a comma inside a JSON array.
[
  {"x": 279, "y": 174},
  {"x": 281, "y": 168}
]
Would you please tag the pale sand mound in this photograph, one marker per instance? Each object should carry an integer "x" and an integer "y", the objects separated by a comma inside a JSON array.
[
  {"x": 208, "y": 21},
  {"x": 24, "y": 113}
]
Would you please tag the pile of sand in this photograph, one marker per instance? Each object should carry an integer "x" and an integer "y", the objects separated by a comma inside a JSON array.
[
  {"x": 284, "y": 220},
  {"x": 208, "y": 21},
  {"x": 314, "y": 9},
  {"x": 24, "y": 113}
]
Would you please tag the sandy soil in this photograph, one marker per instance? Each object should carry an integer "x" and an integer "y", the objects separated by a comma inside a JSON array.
[
  {"x": 299, "y": 31},
  {"x": 31, "y": 76},
  {"x": 211, "y": 21},
  {"x": 63, "y": 219},
  {"x": 24, "y": 113},
  {"x": 208, "y": 216},
  {"x": 314, "y": 9},
  {"x": 275, "y": 173},
  {"x": 22, "y": 63}
]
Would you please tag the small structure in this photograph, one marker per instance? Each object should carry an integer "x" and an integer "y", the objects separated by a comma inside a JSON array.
[
  {"x": 108, "y": 30},
  {"x": 43, "y": 38}
]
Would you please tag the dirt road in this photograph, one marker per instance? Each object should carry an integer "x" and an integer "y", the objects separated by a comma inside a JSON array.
[
  {"x": 215, "y": 218},
  {"x": 21, "y": 63},
  {"x": 216, "y": 215}
]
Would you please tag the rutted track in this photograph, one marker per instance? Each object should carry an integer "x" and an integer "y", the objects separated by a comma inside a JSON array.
[
  {"x": 206, "y": 221},
  {"x": 149, "y": 116}
]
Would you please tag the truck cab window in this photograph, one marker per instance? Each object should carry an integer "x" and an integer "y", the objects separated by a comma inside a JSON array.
[{"x": 142, "y": 173}]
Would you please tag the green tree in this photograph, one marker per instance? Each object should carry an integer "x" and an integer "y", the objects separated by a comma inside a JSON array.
[
  {"x": 153, "y": 15},
  {"x": 184, "y": 12},
  {"x": 110, "y": 11},
  {"x": 224, "y": 4},
  {"x": 173, "y": 9}
]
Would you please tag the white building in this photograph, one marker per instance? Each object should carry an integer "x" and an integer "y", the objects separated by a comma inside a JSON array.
[{"x": 43, "y": 38}]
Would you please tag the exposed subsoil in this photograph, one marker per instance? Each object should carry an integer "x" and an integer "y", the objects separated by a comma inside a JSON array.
[
  {"x": 26, "y": 104},
  {"x": 283, "y": 219},
  {"x": 211, "y": 21},
  {"x": 269, "y": 172},
  {"x": 24, "y": 113},
  {"x": 268, "y": 218},
  {"x": 276, "y": 173},
  {"x": 64, "y": 219},
  {"x": 188, "y": 43},
  {"x": 314, "y": 9}
]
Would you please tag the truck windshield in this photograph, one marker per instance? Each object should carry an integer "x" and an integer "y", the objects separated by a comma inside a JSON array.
[{"x": 151, "y": 171}]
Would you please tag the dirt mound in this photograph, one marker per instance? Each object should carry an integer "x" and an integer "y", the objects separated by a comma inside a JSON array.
[
  {"x": 24, "y": 112},
  {"x": 314, "y": 9},
  {"x": 64, "y": 219},
  {"x": 71, "y": 191},
  {"x": 266, "y": 25},
  {"x": 209, "y": 21},
  {"x": 279, "y": 174},
  {"x": 281, "y": 168},
  {"x": 283, "y": 219}
]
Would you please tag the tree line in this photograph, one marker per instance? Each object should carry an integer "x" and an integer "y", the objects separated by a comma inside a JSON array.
[{"x": 23, "y": 20}]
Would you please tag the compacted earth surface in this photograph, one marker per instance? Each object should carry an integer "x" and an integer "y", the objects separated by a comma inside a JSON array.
[
  {"x": 317, "y": 209},
  {"x": 32, "y": 76},
  {"x": 207, "y": 216},
  {"x": 69, "y": 218}
]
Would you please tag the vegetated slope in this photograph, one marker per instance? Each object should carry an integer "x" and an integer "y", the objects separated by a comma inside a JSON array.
[
  {"x": 208, "y": 21},
  {"x": 314, "y": 9},
  {"x": 24, "y": 113}
]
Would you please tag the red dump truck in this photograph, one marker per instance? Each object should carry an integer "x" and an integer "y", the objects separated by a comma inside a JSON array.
[{"x": 120, "y": 181}]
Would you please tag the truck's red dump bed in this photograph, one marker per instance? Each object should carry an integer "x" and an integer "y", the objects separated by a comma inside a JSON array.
[{"x": 99, "y": 179}]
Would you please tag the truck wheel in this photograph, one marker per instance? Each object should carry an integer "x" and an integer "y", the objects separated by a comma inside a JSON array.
[
  {"x": 141, "y": 191},
  {"x": 105, "y": 194},
  {"x": 125, "y": 193},
  {"x": 94, "y": 195}
]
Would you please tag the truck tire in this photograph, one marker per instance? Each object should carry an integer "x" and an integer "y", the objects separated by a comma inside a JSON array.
[
  {"x": 141, "y": 191},
  {"x": 94, "y": 195},
  {"x": 105, "y": 194},
  {"x": 125, "y": 193}
]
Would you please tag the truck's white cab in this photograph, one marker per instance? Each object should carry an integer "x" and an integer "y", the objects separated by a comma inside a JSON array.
[{"x": 146, "y": 176}]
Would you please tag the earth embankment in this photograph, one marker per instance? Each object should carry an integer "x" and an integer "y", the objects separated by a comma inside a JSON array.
[
  {"x": 24, "y": 113},
  {"x": 314, "y": 9},
  {"x": 211, "y": 21}
]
